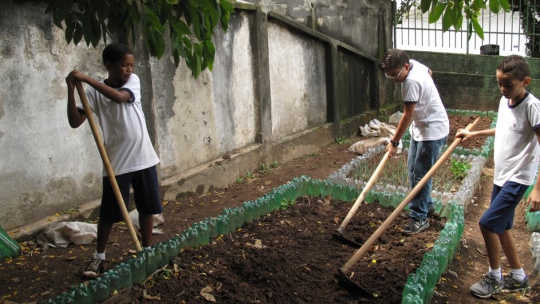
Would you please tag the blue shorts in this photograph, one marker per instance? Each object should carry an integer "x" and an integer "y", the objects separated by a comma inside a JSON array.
[
  {"x": 146, "y": 190},
  {"x": 500, "y": 214}
]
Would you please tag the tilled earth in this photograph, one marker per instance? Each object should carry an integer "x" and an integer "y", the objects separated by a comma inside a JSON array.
[{"x": 291, "y": 257}]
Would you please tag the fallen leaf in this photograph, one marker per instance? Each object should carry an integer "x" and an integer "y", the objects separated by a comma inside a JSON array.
[
  {"x": 429, "y": 245},
  {"x": 150, "y": 297},
  {"x": 206, "y": 294}
]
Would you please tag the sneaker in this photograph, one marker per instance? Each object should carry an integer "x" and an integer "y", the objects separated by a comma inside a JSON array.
[
  {"x": 511, "y": 284},
  {"x": 94, "y": 268},
  {"x": 415, "y": 226},
  {"x": 486, "y": 287}
]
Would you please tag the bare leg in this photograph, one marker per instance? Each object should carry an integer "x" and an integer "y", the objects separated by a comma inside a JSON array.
[
  {"x": 507, "y": 244},
  {"x": 146, "y": 221},
  {"x": 103, "y": 231},
  {"x": 492, "y": 245}
]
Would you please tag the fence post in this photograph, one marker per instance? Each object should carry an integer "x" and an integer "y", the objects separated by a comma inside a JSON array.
[
  {"x": 262, "y": 66},
  {"x": 333, "y": 85}
]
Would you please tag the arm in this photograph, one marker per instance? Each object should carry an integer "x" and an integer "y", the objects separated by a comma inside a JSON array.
[
  {"x": 118, "y": 96},
  {"x": 402, "y": 125},
  {"x": 468, "y": 134},
  {"x": 75, "y": 117},
  {"x": 534, "y": 197}
]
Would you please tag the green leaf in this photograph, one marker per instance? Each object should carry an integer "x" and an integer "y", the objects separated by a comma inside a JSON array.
[
  {"x": 494, "y": 6},
  {"x": 424, "y": 5},
  {"x": 505, "y": 5},
  {"x": 448, "y": 19},
  {"x": 478, "y": 4},
  {"x": 477, "y": 27},
  {"x": 436, "y": 12}
]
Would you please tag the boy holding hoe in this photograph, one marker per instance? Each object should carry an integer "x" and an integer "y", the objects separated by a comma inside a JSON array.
[
  {"x": 116, "y": 101},
  {"x": 517, "y": 134},
  {"x": 425, "y": 112}
]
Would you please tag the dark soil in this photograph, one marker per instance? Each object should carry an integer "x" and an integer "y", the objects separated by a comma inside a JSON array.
[
  {"x": 460, "y": 122},
  {"x": 295, "y": 260},
  {"x": 37, "y": 275}
]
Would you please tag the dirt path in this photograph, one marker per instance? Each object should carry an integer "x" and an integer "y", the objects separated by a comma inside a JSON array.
[{"x": 471, "y": 262}]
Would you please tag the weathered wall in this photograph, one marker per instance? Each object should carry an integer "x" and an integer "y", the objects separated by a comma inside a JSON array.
[
  {"x": 468, "y": 81},
  {"x": 269, "y": 97},
  {"x": 297, "y": 81},
  {"x": 45, "y": 166},
  {"x": 353, "y": 21},
  {"x": 200, "y": 119}
]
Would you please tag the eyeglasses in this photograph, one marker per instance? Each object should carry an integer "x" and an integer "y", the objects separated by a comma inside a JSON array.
[{"x": 396, "y": 76}]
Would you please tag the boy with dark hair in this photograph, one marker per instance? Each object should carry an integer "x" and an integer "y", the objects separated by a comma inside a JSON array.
[
  {"x": 117, "y": 104},
  {"x": 517, "y": 134},
  {"x": 429, "y": 127}
]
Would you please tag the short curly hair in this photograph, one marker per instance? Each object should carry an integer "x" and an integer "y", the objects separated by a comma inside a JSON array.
[
  {"x": 115, "y": 52},
  {"x": 394, "y": 58},
  {"x": 515, "y": 65}
]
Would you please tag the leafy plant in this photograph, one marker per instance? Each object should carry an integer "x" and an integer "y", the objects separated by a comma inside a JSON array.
[
  {"x": 459, "y": 168},
  {"x": 342, "y": 140},
  {"x": 452, "y": 12},
  {"x": 189, "y": 25},
  {"x": 286, "y": 203}
]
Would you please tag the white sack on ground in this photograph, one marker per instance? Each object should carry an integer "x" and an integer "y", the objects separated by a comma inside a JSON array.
[
  {"x": 362, "y": 146},
  {"x": 62, "y": 234},
  {"x": 394, "y": 118},
  {"x": 158, "y": 220}
]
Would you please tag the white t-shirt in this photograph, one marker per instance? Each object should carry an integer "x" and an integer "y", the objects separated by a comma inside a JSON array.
[
  {"x": 429, "y": 120},
  {"x": 124, "y": 129},
  {"x": 516, "y": 146}
]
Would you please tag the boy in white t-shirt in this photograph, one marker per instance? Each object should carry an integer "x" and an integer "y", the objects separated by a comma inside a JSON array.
[
  {"x": 117, "y": 104},
  {"x": 429, "y": 128},
  {"x": 517, "y": 134}
]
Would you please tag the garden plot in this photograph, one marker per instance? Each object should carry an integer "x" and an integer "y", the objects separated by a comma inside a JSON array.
[
  {"x": 289, "y": 256},
  {"x": 447, "y": 181}
]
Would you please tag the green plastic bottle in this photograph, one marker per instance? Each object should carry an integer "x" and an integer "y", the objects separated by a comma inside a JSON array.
[
  {"x": 101, "y": 288},
  {"x": 137, "y": 266}
]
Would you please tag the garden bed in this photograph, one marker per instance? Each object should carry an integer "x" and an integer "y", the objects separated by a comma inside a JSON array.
[
  {"x": 447, "y": 179},
  {"x": 290, "y": 256}
]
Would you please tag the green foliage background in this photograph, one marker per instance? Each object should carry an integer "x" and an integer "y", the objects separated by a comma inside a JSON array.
[{"x": 188, "y": 23}]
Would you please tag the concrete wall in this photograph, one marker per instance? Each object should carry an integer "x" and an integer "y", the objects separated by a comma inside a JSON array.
[
  {"x": 201, "y": 119},
  {"x": 45, "y": 166},
  {"x": 468, "y": 81},
  {"x": 355, "y": 22},
  {"x": 297, "y": 81},
  {"x": 270, "y": 96}
]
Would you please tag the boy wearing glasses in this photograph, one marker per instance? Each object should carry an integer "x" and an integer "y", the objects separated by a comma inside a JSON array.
[{"x": 429, "y": 128}]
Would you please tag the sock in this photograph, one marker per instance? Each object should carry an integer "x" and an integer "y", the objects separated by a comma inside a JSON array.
[
  {"x": 496, "y": 273},
  {"x": 100, "y": 256},
  {"x": 518, "y": 274}
]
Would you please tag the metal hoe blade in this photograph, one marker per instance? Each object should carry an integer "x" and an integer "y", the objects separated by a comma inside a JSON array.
[
  {"x": 345, "y": 240},
  {"x": 351, "y": 286}
]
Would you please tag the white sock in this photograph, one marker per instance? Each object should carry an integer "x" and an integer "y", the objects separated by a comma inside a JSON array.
[
  {"x": 518, "y": 274},
  {"x": 100, "y": 256},
  {"x": 496, "y": 273}
]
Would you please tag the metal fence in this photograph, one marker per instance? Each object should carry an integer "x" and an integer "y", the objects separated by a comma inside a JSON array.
[{"x": 506, "y": 30}]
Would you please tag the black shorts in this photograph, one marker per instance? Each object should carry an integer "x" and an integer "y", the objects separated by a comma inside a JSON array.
[{"x": 146, "y": 190}]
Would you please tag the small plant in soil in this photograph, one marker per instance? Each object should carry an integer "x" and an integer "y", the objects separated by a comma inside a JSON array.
[{"x": 459, "y": 168}]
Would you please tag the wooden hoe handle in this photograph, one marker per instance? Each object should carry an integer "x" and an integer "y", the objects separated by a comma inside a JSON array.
[
  {"x": 107, "y": 164},
  {"x": 367, "y": 245},
  {"x": 372, "y": 180}
]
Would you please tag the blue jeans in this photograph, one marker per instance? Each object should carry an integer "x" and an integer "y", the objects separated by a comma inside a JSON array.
[{"x": 422, "y": 156}]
